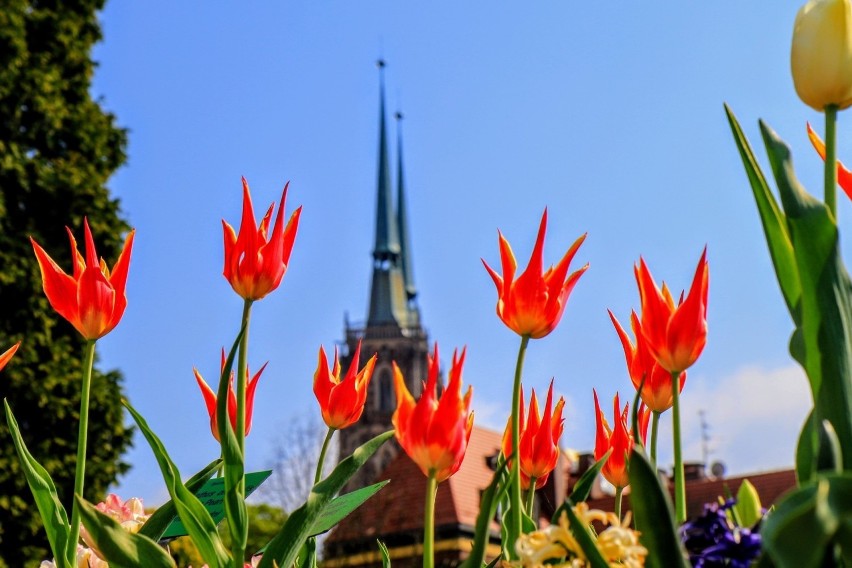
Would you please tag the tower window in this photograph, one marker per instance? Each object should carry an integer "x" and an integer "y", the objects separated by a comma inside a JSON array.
[{"x": 385, "y": 391}]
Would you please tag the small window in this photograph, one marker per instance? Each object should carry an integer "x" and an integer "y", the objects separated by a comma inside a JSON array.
[{"x": 386, "y": 402}]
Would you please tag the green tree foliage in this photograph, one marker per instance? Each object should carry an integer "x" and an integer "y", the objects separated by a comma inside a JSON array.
[{"x": 58, "y": 148}]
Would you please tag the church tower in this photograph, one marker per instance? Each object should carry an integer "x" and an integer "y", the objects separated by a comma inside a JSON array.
[{"x": 393, "y": 328}]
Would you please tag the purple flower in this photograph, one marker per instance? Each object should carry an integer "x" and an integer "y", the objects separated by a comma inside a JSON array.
[{"x": 713, "y": 541}]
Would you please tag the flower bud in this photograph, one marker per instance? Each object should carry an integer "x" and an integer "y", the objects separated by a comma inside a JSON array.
[{"x": 821, "y": 54}]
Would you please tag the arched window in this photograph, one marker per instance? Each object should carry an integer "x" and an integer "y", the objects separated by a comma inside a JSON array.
[{"x": 386, "y": 402}]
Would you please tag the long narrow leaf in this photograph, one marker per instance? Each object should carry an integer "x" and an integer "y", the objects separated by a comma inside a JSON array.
[
  {"x": 774, "y": 223},
  {"x": 118, "y": 546},
  {"x": 285, "y": 546},
  {"x": 583, "y": 488},
  {"x": 386, "y": 560},
  {"x": 53, "y": 515},
  {"x": 157, "y": 523},
  {"x": 487, "y": 509},
  {"x": 341, "y": 506},
  {"x": 235, "y": 490},
  {"x": 652, "y": 510},
  {"x": 192, "y": 513},
  {"x": 583, "y": 534}
]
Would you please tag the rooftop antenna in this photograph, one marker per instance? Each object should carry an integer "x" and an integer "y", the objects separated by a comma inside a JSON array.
[{"x": 705, "y": 436}]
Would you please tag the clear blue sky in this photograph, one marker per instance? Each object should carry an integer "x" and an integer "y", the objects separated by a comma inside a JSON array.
[{"x": 609, "y": 114}]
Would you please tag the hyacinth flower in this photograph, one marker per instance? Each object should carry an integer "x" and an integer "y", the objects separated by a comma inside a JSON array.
[
  {"x": 92, "y": 298},
  {"x": 653, "y": 382},
  {"x": 210, "y": 399},
  {"x": 676, "y": 335},
  {"x": 620, "y": 441},
  {"x": 341, "y": 400},
  {"x": 539, "y": 449},
  {"x": 844, "y": 176},
  {"x": 712, "y": 539},
  {"x": 434, "y": 432},
  {"x": 531, "y": 305}
]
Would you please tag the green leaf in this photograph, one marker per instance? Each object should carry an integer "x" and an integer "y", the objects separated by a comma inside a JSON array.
[
  {"x": 826, "y": 296},
  {"x": 157, "y": 523},
  {"x": 653, "y": 514},
  {"x": 487, "y": 509},
  {"x": 747, "y": 508},
  {"x": 341, "y": 506},
  {"x": 118, "y": 546},
  {"x": 53, "y": 514},
  {"x": 583, "y": 534},
  {"x": 196, "y": 519},
  {"x": 583, "y": 488},
  {"x": 285, "y": 546},
  {"x": 383, "y": 550},
  {"x": 806, "y": 452},
  {"x": 507, "y": 533},
  {"x": 235, "y": 490},
  {"x": 829, "y": 454},
  {"x": 774, "y": 222},
  {"x": 809, "y": 523}
]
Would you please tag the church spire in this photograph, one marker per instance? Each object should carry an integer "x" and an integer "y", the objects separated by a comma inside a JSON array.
[{"x": 402, "y": 219}]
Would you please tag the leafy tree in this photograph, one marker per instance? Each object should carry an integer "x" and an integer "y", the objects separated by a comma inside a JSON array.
[{"x": 58, "y": 147}]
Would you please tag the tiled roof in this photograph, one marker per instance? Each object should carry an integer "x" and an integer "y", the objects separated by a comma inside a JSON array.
[{"x": 398, "y": 508}]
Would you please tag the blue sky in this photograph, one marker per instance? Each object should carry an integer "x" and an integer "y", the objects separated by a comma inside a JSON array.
[{"x": 609, "y": 114}]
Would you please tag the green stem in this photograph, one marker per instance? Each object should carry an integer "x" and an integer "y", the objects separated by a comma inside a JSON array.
[
  {"x": 515, "y": 489},
  {"x": 239, "y": 541},
  {"x": 679, "y": 480},
  {"x": 655, "y": 421},
  {"x": 531, "y": 497},
  {"x": 82, "y": 434},
  {"x": 429, "y": 522},
  {"x": 324, "y": 449},
  {"x": 618, "y": 495},
  {"x": 831, "y": 159}
]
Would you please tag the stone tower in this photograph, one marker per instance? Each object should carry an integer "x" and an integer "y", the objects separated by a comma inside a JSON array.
[{"x": 393, "y": 328}]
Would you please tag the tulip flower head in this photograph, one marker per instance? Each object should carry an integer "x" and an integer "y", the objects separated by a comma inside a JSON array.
[
  {"x": 129, "y": 514},
  {"x": 7, "y": 355},
  {"x": 533, "y": 303},
  {"x": 434, "y": 432},
  {"x": 676, "y": 334},
  {"x": 844, "y": 176},
  {"x": 210, "y": 399},
  {"x": 93, "y": 297},
  {"x": 255, "y": 264},
  {"x": 641, "y": 364},
  {"x": 821, "y": 53},
  {"x": 342, "y": 400},
  {"x": 618, "y": 439},
  {"x": 539, "y": 439}
]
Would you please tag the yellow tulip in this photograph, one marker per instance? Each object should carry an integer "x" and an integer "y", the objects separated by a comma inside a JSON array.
[{"x": 821, "y": 55}]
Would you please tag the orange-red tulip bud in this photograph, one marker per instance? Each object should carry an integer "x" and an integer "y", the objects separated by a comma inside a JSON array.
[
  {"x": 93, "y": 298},
  {"x": 620, "y": 440},
  {"x": 641, "y": 364},
  {"x": 539, "y": 439},
  {"x": 255, "y": 265},
  {"x": 7, "y": 355},
  {"x": 844, "y": 176},
  {"x": 342, "y": 400},
  {"x": 676, "y": 334},
  {"x": 533, "y": 303},
  {"x": 210, "y": 399},
  {"x": 434, "y": 432}
]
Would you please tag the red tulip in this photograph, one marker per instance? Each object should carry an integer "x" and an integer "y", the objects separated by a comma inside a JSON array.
[
  {"x": 657, "y": 390},
  {"x": 342, "y": 400},
  {"x": 434, "y": 432},
  {"x": 210, "y": 399},
  {"x": 539, "y": 439},
  {"x": 676, "y": 335},
  {"x": 254, "y": 265},
  {"x": 533, "y": 303},
  {"x": 620, "y": 440},
  {"x": 93, "y": 298},
  {"x": 844, "y": 176},
  {"x": 7, "y": 355}
]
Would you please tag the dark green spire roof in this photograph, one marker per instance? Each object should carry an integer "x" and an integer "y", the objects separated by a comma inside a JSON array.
[
  {"x": 402, "y": 219},
  {"x": 387, "y": 240}
]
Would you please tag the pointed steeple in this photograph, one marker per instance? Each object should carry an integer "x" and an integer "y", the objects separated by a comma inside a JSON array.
[
  {"x": 402, "y": 219},
  {"x": 388, "y": 302}
]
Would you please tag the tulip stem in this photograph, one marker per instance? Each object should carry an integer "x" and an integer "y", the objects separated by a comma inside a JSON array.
[
  {"x": 80, "y": 471},
  {"x": 515, "y": 490},
  {"x": 831, "y": 159},
  {"x": 429, "y": 521},
  {"x": 655, "y": 421},
  {"x": 531, "y": 497},
  {"x": 679, "y": 479},
  {"x": 618, "y": 495},
  {"x": 239, "y": 535},
  {"x": 324, "y": 449}
]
